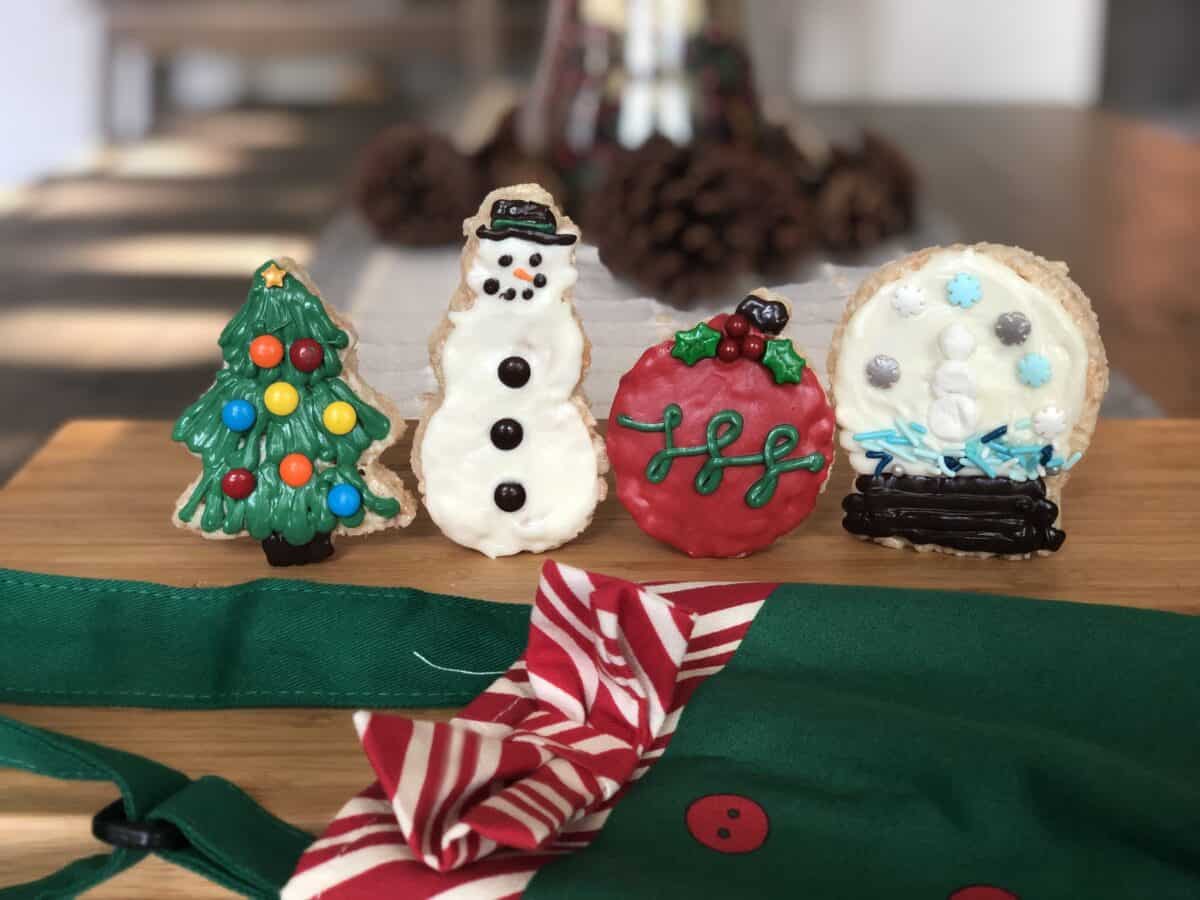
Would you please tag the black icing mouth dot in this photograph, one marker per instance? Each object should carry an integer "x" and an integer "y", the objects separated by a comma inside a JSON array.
[
  {"x": 510, "y": 294},
  {"x": 535, "y": 260},
  {"x": 539, "y": 280},
  {"x": 491, "y": 286},
  {"x": 527, "y": 294},
  {"x": 505, "y": 260}
]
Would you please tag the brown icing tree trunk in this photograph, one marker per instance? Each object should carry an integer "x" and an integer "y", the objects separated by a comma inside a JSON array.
[{"x": 280, "y": 553}]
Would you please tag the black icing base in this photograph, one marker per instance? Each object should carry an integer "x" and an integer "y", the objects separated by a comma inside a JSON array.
[
  {"x": 976, "y": 514},
  {"x": 280, "y": 553}
]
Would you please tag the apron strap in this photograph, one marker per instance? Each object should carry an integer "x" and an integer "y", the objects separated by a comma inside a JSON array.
[
  {"x": 208, "y": 825},
  {"x": 264, "y": 643}
]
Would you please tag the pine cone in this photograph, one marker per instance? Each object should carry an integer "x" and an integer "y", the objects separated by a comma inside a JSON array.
[
  {"x": 414, "y": 187},
  {"x": 680, "y": 221},
  {"x": 866, "y": 196},
  {"x": 502, "y": 161}
]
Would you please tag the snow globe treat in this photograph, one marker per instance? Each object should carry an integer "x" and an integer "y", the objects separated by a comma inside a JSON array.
[
  {"x": 722, "y": 438},
  {"x": 967, "y": 381},
  {"x": 288, "y": 435},
  {"x": 507, "y": 456}
]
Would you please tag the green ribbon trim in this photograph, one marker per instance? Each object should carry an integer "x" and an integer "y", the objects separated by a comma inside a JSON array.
[
  {"x": 501, "y": 224},
  {"x": 84, "y": 642},
  {"x": 233, "y": 840}
]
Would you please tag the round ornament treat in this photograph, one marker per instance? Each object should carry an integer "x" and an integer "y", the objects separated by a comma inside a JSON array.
[
  {"x": 306, "y": 355},
  {"x": 967, "y": 382},
  {"x": 266, "y": 351},
  {"x": 715, "y": 457}
]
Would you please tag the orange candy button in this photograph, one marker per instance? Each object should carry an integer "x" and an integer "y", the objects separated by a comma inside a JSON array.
[
  {"x": 295, "y": 469},
  {"x": 266, "y": 351}
]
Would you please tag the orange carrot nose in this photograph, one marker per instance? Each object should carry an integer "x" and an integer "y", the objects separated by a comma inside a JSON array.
[{"x": 522, "y": 274}]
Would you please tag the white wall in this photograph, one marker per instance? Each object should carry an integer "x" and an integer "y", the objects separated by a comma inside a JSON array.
[
  {"x": 998, "y": 51},
  {"x": 49, "y": 66}
]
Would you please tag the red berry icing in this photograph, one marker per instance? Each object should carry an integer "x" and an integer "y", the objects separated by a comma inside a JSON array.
[
  {"x": 754, "y": 346},
  {"x": 238, "y": 484},
  {"x": 737, "y": 326},
  {"x": 728, "y": 823},
  {"x": 721, "y": 522},
  {"x": 728, "y": 350}
]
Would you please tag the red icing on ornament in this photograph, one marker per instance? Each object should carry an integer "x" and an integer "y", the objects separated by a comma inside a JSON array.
[
  {"x": 728, "y": 350},
  {"x": 721, "y": 523},
  {"x": 753, "y": 347},
  {"x": 306, "y": 355},
  {"x": 728, "y": 823},
  {"x": 238, "y": 484}
]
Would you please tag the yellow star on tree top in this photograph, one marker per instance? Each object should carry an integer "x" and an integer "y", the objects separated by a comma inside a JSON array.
[{"x": 273, "y": 276}]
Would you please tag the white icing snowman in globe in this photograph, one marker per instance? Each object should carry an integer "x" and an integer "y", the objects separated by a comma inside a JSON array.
[{"x": 509, "y": 460}]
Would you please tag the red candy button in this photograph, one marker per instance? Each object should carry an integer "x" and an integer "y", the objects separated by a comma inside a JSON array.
[
  {"x": 982, "y": 892},
  {"x": 238, "y": 484},
  {"x": 729, "y": 823}
]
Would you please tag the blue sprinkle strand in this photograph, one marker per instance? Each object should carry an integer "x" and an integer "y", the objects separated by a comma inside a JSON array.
[
  {"x": 994, "y": 434},
  {"x": 1047, "y": 454},
  {"x": 952, "y": 463},
  {"x": 1072, "y": 459},
  {"x": 1033, "y": 370},
  {"x": 964, "y": 290},
  {"x": 884, "y": 459}
]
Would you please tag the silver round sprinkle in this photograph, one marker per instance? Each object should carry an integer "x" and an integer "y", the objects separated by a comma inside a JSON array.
[
  {"x": 1013, "y": 328},
  {"x": 883, "y": 371}
]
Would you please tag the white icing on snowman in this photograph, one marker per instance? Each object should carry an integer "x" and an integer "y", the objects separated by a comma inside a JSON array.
[
  {"x": 555, "y": 462},
  {"x": 958, "y": 378},
  {"x": 954, "y": 415}
]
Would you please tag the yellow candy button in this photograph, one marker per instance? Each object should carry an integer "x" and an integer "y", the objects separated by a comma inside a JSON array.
[
  {"x": 281, "y": 398},
  {"x": 339, "y": 417}
]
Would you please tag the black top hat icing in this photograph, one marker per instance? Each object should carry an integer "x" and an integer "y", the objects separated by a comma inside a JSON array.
[{"x": 524, "y": 219}]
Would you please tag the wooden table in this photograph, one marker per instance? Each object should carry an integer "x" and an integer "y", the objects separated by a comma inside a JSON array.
[{"x": 96, "y": 502}]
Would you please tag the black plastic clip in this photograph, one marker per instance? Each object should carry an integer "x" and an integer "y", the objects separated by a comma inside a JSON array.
[{"x": 111, "y": 826}]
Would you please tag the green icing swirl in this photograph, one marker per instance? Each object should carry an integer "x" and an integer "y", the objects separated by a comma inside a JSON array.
[
  {"x": 722, "y": 430},
  {"x": 289, "y": 312}
]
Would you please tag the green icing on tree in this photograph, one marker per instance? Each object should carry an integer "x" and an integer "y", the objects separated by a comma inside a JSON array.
[{"x": 289, "y": 312}]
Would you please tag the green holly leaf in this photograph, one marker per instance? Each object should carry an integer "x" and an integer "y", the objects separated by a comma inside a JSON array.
[
  {"x": 697, "y": 344},
  {"x": 784, "y": 362}
]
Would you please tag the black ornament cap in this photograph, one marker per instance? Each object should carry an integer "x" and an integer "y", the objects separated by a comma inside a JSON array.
[{"x": 768, "y": 316}]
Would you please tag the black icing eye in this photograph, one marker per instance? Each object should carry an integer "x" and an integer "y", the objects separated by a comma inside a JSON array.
[
  {"x": 491, "y": 286},
  {"x": 505, "y": 260},
  {"x": 535, "y": 260},
  {"x": 539, "y": 280}
]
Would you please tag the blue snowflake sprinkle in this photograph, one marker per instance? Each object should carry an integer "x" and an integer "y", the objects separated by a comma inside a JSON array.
[
  {"x": 1033, "y": 370},
  {"x": 964, "y": 290}
]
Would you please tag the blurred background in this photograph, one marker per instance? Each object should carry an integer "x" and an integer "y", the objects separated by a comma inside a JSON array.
[{"x": 157, "y": 151}]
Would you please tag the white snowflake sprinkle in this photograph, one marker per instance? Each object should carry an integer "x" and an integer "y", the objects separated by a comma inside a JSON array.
[
  {"x": 908, "y": 300},
  {"x": 1049, "y": 423}
]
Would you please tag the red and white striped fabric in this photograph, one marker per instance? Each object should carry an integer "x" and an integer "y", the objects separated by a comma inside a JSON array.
[{"x": 471, "y": 808}]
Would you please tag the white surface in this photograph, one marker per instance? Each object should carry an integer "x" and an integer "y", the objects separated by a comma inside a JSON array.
[
  {"x": 401, "y": 294},
  {"x": 945, "y": 50}
]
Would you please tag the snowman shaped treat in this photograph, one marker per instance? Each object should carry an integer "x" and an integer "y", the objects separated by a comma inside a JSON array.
[
  {"x": 966, "y": 381},
  {"x": 507, "y": 456}
]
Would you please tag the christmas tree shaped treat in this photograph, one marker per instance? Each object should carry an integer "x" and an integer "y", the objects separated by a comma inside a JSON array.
[
  {"x": 507, "y": 456},
  {"x": 967, "y": 382},
  {"x": 722, "y": 438},
  {"x": 288, "y": 435}
]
